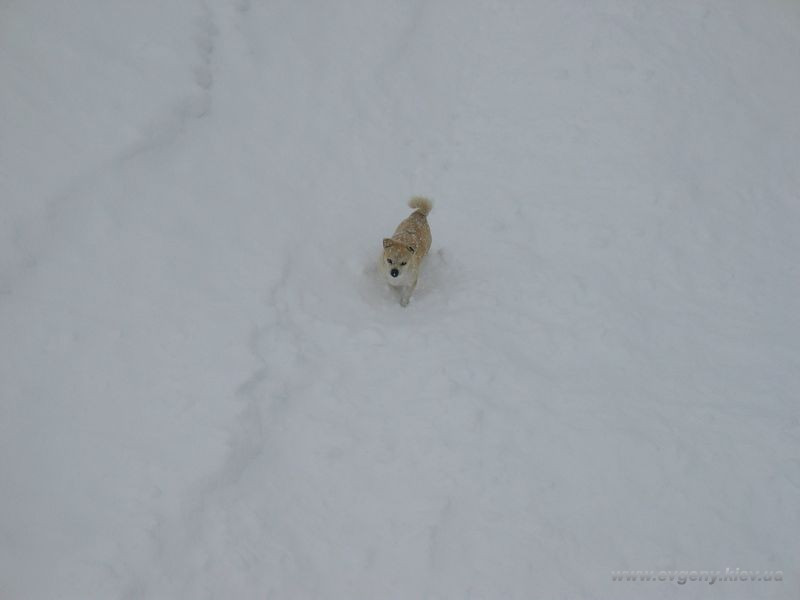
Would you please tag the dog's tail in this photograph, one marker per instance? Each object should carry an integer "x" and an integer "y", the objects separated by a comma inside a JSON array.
[{"x": 423, "y": 205}]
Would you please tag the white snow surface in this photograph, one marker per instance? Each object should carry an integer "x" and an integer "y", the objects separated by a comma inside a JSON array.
[{"x": 207, "y": 392}]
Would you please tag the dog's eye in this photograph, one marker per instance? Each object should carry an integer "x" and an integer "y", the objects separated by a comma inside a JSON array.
[
  {"x": 401, "y": 264},
  {"x": 389, "y": 260}
]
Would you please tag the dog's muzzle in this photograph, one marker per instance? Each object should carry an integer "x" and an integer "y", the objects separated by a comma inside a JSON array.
[{"x": 394, "y": 272}]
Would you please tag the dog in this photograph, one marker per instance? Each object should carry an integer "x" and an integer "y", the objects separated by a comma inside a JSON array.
[{"x": 404, "y": 251}]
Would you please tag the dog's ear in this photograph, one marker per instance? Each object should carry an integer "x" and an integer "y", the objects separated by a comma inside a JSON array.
[
  {"x": 411, "y": 248},
  {"x": 387, "y": 242}
]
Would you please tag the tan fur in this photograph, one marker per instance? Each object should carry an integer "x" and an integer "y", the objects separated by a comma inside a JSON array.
[{"x": 406, "y": 249}]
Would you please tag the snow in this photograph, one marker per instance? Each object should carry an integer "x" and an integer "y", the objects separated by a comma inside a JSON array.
[{"x": 207, "y": 392}]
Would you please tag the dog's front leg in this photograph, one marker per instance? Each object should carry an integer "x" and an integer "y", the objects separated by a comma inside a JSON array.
[
  {"x": 405, "y": 293},
  {"x": 405, "y": 296}
]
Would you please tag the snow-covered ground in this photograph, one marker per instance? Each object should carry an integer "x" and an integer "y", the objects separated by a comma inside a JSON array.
[{"x": 206, "y": 392}]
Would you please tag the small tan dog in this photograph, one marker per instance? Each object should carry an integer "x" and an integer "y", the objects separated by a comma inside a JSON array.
[{"x": 404, "y": 251}]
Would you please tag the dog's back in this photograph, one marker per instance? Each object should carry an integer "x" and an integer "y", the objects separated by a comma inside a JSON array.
[{"x": 414, "y": 230}]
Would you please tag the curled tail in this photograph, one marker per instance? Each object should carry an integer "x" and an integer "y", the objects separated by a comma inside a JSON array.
[{"x": 423, "y": 205}]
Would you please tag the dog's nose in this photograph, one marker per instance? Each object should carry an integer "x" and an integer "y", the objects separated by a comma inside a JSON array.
[{"x": 394, "y": 272}]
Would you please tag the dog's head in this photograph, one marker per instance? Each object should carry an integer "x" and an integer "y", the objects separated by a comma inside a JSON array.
[{"x": 396, "y": 261}]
